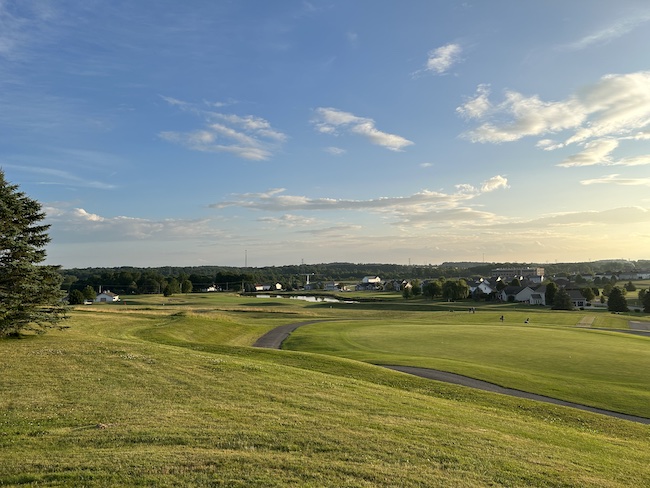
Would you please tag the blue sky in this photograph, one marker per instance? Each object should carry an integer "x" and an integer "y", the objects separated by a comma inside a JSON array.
[{"x": 268, "y": 133}]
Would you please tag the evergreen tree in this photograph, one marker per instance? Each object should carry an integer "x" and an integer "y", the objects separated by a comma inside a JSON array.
[
  {"x": 616, "y": 301},
  {"x": 588, "y": 293},
  {"x": 646, "y": 302},
  {"x": 562, "y": 300},
  {"x": 551, "y": 291},
  {"x": 30, "y": 293}
]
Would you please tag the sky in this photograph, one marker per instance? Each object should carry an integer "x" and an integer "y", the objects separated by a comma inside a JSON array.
[{"x": 257, "y": 133}]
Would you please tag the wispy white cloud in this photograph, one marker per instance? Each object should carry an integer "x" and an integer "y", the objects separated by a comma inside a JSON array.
[
  {"x": 597, "y": 117},
  {"x": 248, "y": 137},
  {"x": 561, "y": 224},
  {"x": 416, "y": 209},
  {"x": 288, "y": 220},
  {"x": 343, "y": 231},
  {"x": 618, "y": 105},
  {"x": 608, "y": 33},
  {"x": 60, "y": 177},
  {"x": 331, "y": 120},
  {"x": 477, "y": 106},
  {"x": 639, "y": 136},
  {"x": 595, "y": 152},
  {"x": 335, "y": 151},
  {"x": 275, "y": 200},
  {"x": 529, "y": 116},
  {"x": 642, "y": 160},
  {"x": 21, "y": 29},
  {"x": 549, "y": 144},
  {"x": 598, "y": 152},
  {"x": 80, "y": 225},
  {"x": 441, "y": 59},
  {"x": 616, "y": 179},
  {"x": 495, "y": 183}
]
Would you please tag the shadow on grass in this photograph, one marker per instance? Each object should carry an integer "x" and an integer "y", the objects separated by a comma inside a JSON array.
[
  {"x": 277, "y": 303},
  {"x": 389, "y": 306}
]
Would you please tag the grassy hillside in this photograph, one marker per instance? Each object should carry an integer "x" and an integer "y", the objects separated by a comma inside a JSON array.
[{"x": 151, "y": 395}]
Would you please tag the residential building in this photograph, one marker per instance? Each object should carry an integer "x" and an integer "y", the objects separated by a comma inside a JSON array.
[
  {"x": 535, "y": 275},
  {"x": 107, "y": 297}
]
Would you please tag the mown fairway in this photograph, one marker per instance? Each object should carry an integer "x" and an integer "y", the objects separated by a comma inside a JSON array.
[
  {"x": 548, "y": 356},
  {"x": 151, "y": 395}
]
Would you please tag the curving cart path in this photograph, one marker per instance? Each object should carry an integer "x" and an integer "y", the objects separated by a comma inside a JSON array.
[{"x": 275, "y": 337}]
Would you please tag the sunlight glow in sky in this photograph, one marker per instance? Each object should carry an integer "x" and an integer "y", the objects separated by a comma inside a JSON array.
[{"x": 197, "y": 133}]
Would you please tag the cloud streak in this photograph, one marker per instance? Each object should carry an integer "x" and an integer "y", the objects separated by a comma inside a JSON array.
[
  {"x": 332, "y": 121},
  {"x": 63, "y": 177},
  {"x": 288, "y": 220},
  {"x": 421, "y": 208},
  {"x": 617, "y": 29},
  {"x": 247, "y": 137},
  {"x": 79, "y": 225},
  {"x": 19, "y": 33},
  {"x": 616, "y": 179}
]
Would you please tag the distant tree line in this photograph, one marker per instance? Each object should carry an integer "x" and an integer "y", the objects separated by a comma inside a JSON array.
[
  {"x": 88, "y": 282},
  {"x": 133, "y": 280}
]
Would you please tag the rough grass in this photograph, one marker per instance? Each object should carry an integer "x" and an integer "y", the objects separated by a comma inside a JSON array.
[{"x": 149, "y": 397}]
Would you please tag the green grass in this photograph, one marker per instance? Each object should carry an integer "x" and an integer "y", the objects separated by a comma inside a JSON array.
[
  {"x": 146, "y": 394},
  {"x": 548, "y": 356}
]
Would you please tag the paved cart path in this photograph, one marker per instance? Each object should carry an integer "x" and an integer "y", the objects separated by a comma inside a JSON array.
[
  {"x": 275, "y": 337},
  {"x": 640, "y": 326},
  {"x": 457, "y": 379}
]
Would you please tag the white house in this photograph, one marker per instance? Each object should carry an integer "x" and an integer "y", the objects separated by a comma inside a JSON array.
[
  {"x": 107, "y": 296},
  {"x": 482, "y": 286},
  {"x": 371, "y": 279},
  {"x": 269, "y": 287},
  {"x": 537, "y": 299},
  {"x": 518, "y": 294}
]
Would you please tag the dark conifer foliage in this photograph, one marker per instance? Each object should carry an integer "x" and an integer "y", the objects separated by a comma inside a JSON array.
[
  {"x": 30, "y": 293},
  {"x": 617, "y": 301}
]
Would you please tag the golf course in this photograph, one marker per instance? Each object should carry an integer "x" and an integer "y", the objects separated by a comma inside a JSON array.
[{"x": 170, "y": 391}]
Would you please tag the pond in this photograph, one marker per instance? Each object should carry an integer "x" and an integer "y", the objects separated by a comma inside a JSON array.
[{"x": 307, "y": 298}]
